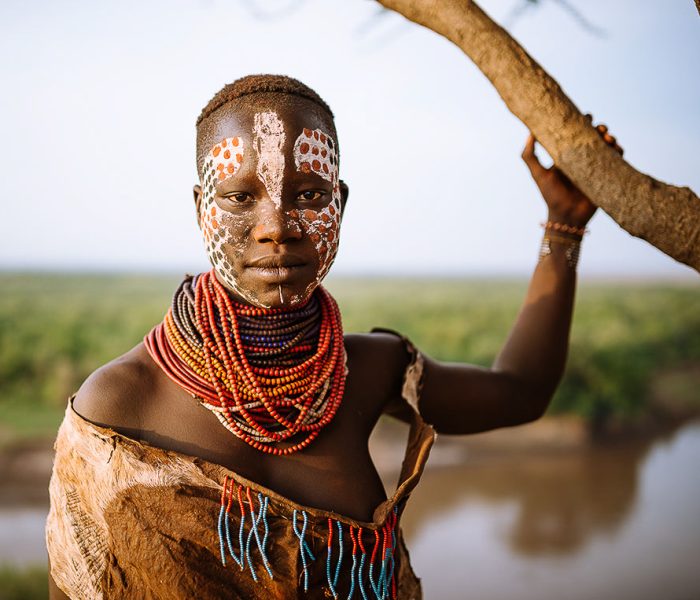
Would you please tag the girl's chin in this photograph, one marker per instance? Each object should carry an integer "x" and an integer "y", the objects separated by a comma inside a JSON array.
[
  {"x": 271, "y": 294},
  {"x": 289, "y": 296}
]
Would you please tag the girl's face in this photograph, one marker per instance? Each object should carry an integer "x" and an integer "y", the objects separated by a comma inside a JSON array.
[{"x": 270, "y": 201}]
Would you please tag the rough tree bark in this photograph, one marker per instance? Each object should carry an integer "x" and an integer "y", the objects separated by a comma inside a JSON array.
[{"x": 664, "y": 215}]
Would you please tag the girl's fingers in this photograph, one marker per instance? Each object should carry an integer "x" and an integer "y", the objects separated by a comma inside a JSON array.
[{"x": 531, "y": 159}]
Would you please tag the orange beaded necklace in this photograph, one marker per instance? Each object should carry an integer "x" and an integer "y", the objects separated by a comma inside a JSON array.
[{"x": 269, "y": 375}]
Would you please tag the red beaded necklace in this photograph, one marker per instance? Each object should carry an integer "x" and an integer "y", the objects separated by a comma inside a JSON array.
[{"x": 269, "y": 375}]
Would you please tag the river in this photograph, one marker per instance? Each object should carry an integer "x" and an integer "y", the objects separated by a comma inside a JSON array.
[{"x": 614, "y": 521}]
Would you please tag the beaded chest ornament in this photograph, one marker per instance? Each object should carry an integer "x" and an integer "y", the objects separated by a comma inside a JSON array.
[{"x": 269, "y": 375}]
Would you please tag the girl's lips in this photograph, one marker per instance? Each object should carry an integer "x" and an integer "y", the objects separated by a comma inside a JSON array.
[
  {"x": 276, "y": 261},
  {"x": 276, "y": 274}
]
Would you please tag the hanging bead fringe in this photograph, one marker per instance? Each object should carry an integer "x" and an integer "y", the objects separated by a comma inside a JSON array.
[
  {"x": 374, "y": 581},
  {"x": 333, "y": 582},
  {"x": 367, "y": 581},
  {"x": 303, "y": 546},
  {"x": 244, "y": 554}
]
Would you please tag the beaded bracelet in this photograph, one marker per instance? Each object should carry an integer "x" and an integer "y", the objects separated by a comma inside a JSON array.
[
  {"x": 563, "y": 227},
  {"x": 571, "y": 253}
]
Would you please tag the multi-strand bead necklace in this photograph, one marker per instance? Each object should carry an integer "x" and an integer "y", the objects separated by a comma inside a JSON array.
[{"x": 269, "y": 375}]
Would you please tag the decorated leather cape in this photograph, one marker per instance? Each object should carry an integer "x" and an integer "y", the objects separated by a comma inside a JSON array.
[{"x": 130, "y": 520}]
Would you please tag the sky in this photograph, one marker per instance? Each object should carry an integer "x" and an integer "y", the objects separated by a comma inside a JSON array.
[{"x": 100, "y": 100}]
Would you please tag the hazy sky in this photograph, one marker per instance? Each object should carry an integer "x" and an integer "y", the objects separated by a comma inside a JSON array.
[{"x": 100, "y": 98}]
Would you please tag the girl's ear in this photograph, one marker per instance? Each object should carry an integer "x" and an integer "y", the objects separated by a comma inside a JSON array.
[
  {"x": 344, "y": 193},
  {"x": 197, "y": 191}
]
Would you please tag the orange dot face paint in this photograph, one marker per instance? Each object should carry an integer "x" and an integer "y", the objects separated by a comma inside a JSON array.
[
  {"x": 314, "y": 152},
  {"x": 221, "y": 163},
  {"x": 232, "y": 235}
]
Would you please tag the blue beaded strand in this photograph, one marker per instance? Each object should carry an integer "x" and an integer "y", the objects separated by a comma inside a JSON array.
[
  {"x": 303, "y": 546},
  {"x": 221, "y": 536},
  {"x": 328, "y": 573},
  {"x": 333, "y": 581},
  {"x": 228, "y": 541},
  {"x": 352, "y": 576},
  {"x": 263, "y": 552},
  {"x": 253, "y": 532},
  {"x": 376, "y": 585},
  {"x": 240, "y": 541},
  {"x": 340, "y": 553},
  {"x": 359, "y": 576},
  {"x": 382, "y": 575}
]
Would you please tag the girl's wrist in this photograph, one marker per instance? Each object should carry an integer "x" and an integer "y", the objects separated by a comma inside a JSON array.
[
  {"x": 555, "y": 243},
  {"x": 568, "y": 219},
  {"x": 564, "y": 227}
]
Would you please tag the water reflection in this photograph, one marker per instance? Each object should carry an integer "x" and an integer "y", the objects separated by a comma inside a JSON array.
[
  {"x": 22, "y": 536},
  {"x": 561, "y": 500},
  {"x": 616, "y": 521}
]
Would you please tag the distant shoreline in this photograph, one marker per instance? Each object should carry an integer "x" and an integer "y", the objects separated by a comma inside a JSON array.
[{"x": 615, "y": 278}]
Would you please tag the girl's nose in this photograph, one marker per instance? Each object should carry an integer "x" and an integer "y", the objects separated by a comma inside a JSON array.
[{"x": 275, "y": 225}]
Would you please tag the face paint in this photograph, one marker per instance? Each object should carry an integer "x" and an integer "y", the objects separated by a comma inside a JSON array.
[
  {"x": 314, "y": 152},
  {"x": 231, "y": 234},
  {"x": 268, "y": 139},
  {"x": 222, "y": 162}
]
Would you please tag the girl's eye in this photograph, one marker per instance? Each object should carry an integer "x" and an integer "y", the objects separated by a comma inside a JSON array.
[
  {"x": 239, "y": 197},
  {"x": 310, "y": 196}
]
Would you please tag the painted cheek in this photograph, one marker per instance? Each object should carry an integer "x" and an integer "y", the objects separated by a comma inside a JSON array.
[
  {"x": 314, "y": 152},
  {"x": 293, "y": 223},
  {"x": 222, "y": 162},
  {"x": 322, "y": 229}
]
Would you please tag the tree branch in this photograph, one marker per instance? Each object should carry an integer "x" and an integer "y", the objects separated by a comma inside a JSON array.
[{"x": 666, "y": 216}]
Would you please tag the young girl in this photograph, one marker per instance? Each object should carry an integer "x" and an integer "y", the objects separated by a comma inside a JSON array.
[{"x": 226, "y": 456}]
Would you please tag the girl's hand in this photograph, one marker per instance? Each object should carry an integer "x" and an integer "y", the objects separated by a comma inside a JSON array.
[{"x": 566, "y": 203}]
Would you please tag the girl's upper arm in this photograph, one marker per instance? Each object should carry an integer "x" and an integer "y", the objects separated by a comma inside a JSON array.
[{"x": 459, "y": 398}]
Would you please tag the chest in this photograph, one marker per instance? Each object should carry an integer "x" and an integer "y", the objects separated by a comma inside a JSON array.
[{"x": 335, "y": 472}]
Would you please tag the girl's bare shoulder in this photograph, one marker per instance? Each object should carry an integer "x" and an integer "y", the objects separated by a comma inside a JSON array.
[{"x": 114, "y": 395}]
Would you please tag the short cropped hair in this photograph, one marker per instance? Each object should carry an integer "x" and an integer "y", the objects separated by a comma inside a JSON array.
[{"x": 262, "y": 86}]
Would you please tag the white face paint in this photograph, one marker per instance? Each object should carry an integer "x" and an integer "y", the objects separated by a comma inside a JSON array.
[
  {"x": 268, "y": 140},
  {"x": 222, "y": 162},
  {"x": 315, "y": 152}
]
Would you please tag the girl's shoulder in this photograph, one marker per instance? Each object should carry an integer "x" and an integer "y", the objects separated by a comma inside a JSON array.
[{"x": 115, "y": 394}]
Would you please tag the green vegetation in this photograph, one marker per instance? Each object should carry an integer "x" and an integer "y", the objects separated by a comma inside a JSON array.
[
  {"x": 25, "y": 584},
  {"x": 56, "y": 329}
]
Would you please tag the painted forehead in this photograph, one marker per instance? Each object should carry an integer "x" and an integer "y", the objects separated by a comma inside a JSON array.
[
  {"x": 318, "y": 141},
  {"x": 314, "y": 152},
  {"x": 225, "y": 157}
]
